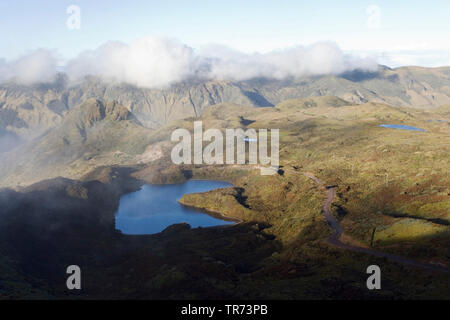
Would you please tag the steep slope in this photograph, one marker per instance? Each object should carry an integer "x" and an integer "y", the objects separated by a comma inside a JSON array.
[
  {"x": 93, "y": 133},
  {"x": 29, "y": 111}
]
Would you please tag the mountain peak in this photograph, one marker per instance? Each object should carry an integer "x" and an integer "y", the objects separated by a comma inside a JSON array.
[{"x": 94, "y": 110}]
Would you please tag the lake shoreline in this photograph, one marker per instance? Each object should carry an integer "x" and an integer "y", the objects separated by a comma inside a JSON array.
[
  {"x": 154, "y": 207},
  {"x": 214, "y": 214}
]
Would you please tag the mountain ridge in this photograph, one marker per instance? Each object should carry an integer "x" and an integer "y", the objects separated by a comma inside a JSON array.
[
  {"x": 96, "y": 130},
  {"x": 28, "y": 111}
]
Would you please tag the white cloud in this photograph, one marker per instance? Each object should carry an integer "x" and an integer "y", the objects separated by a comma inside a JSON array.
[
  {"x": 37, "y": 66},
  {"x": 317, "y": 59},
  {"x": 158, "y": 62},
  {"x": 427, "y": 58},
  {"x": 148, "y": 62}
]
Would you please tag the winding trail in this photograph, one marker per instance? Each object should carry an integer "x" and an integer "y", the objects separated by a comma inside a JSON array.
[{"x": 334, "y": 238}]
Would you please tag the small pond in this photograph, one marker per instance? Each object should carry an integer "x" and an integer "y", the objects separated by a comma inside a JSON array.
[{"x": 401, "y": 127}]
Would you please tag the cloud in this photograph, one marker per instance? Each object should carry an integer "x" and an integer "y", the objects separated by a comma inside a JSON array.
[
  {"x": 429, "y": 58},
  {"x": 148, "y": 62},
  {"x": 317, "y": 59},
  {"x": 158, "y": 62},
  {"x": 37, "y": 66}
]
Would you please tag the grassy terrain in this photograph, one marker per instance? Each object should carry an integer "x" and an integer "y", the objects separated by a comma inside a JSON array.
[{"x": 393, "y": 185}]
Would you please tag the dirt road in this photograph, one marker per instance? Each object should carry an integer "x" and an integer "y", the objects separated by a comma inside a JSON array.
[{"x": 334, "y": 238}]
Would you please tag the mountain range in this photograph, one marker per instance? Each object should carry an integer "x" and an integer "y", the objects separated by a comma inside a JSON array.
[
  {"x": 31, "y": 110},
  {"x": 66, "y": 129}
]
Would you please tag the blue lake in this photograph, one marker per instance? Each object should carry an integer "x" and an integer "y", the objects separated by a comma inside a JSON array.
[
  {"x": 401, "y": 127},
  {"x": 155, "y": 207}
]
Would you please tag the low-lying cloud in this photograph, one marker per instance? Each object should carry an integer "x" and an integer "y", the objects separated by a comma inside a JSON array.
[
  {"x": 317, "y": 59},
  {"x": 158, "y": 62},
  {"x": 37, "y": 66}
]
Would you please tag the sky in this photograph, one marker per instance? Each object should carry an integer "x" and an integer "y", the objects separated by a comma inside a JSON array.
[{"x": 395, "y": 33}]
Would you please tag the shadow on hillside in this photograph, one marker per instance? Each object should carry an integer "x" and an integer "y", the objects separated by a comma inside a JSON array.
[
  {"x": 359, "y": 75},
  {"x": 62, "y": 222},
  {"x": 258, "y": 99}
]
